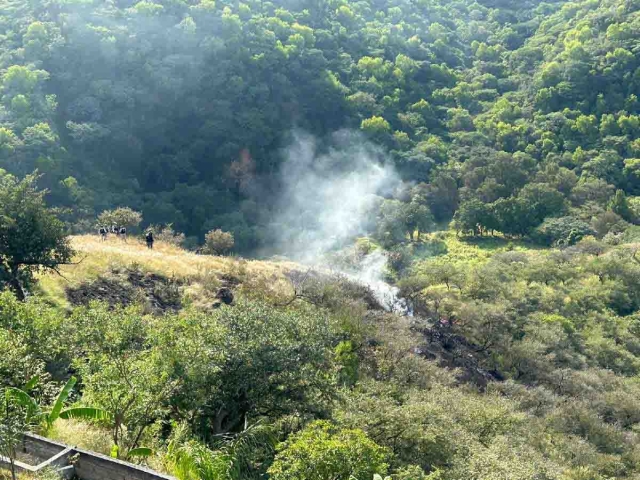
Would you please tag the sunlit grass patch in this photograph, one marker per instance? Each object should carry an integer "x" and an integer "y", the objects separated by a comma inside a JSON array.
[
  {"x": 199, "y": 273},
  {"x": 83, "y": 435},
  {"x": 465, "y": 253},
  {"x": 464, "y": 250}
]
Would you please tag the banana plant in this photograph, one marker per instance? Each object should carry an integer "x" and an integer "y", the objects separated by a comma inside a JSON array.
[
  {"x": 46, "y": 418},
  {"x": 91, "y": 413}
]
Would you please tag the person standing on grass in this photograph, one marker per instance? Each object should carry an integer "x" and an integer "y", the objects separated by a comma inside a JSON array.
[{"x": 149, "y": 239}]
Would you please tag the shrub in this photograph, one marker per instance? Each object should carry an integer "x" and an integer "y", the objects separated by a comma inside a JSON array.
[
  {"x": 413, "y": 472},
  {"x": 121, "y": 217},
  {"x": 608, "y": 222},
  {"x": 561, "y": 231},
  {"x": 631, "y": 235},
  {"x": 322, "y": 451},
  {"x": 217, "y": 242},
  {"x": 17, "y": 364}
]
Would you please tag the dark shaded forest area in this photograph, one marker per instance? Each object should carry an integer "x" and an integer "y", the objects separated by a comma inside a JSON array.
[{"x": 504, "y": 112}]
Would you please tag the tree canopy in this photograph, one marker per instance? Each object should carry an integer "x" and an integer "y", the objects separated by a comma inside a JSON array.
[
  {"x": 32, "y": 238},
  {"x": 474, "y": 99},
  {"x": 490, "y": 150}
]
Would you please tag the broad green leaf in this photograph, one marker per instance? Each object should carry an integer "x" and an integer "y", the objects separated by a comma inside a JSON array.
[
  {"x": 85, "y": 413},
  {"x": 31, "y": 383},
  {"x": 24, "y": 399},
  {"x": 62, "y": 397}
]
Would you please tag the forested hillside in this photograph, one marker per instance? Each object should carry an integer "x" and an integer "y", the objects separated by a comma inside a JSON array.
[
  {"x": 458, "y": 183},
  {"x": 182, "y": 109}
]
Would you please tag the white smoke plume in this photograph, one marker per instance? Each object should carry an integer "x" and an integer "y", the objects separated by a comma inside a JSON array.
[
  {"x": 370, "y": 272},
  {"x": 329, "y": 198}
]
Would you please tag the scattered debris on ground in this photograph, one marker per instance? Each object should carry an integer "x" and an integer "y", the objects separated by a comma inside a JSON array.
[{"x": 452, "y": 350}]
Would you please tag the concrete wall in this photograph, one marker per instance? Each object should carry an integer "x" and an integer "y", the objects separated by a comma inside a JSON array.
[
  {"x": 92, "y": 466},
  {"x": 86, "y": 465},
  {"x": 41, "y": 448}
]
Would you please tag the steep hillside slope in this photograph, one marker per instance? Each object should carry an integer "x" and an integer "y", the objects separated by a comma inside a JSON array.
[
  {"x": 518, "y": 360},
  {"x": 122, "y": 267}
]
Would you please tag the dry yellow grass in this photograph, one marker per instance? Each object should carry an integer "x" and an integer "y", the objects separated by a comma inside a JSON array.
[
  {"x": 83, "y": 435},
  {"x": 6, "y": 475},
  {"x": 201, "y": 273}
]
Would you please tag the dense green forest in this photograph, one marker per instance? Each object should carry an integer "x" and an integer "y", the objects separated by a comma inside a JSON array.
[
  {"x": 471, "y": 167},
  {"x": 504, "y": 112}
]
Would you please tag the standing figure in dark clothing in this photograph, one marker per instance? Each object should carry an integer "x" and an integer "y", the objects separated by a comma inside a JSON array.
[
  {"x": 103, "y": 233},
  {"x": 149, "y": 239},
  {"x": 123, "y": 233}
]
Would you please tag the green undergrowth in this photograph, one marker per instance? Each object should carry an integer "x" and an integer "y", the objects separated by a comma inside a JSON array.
[
  {"x": 518, "y": 363},
  {"x": 447, "y": 246}
]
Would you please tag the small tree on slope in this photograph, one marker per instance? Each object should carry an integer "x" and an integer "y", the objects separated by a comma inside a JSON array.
[{"x": 32, "y": 238}]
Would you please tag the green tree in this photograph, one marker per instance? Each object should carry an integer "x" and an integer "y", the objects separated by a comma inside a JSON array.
[
  {"x": 322, "y": 451},
  {"x": 17, "y": 364},
  {"x": 13, "y": 425},
  {"x": 126, "y": 382},
  {"x": 620, "y": 206},
  {"x": 417, "y": 218},
  {"x": 443, "y": 272},
  {"x": 120, "y": 217},
  {"x": 515, "y": 216},
  {"x": 473, "y": 216},
  {"x": 244, "y": 368},
  {"x": 376, "y": 127},
  {"x": 542, "y": 201},
  {"x": 32, "y": 239},
  {"x": 391, "y": 227}
]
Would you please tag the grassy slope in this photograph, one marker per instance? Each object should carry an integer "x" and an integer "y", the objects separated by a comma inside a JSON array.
[
  {"x": 467, "y": 251},
  {"x": 201, "y": 273}
]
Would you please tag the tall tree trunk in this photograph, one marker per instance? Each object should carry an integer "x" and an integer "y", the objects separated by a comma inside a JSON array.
[
  {"x": 13, "y": 468},
  {"x": 16, "y": 286}
]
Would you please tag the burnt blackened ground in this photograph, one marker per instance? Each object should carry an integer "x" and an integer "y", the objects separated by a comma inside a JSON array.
[
  {"x": 454, "y": 351},
  {"x": 129, "y": 286}
]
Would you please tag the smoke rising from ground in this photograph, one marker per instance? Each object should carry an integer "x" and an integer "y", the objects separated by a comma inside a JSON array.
[{"x": 330, "y": 196}]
